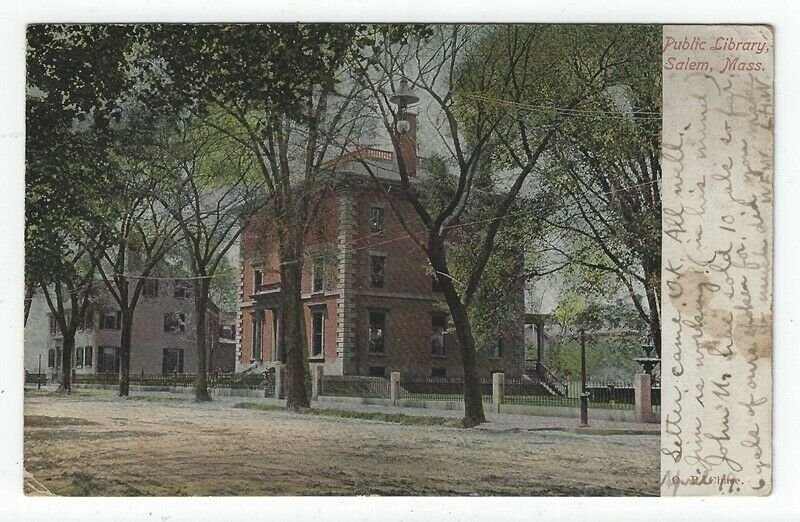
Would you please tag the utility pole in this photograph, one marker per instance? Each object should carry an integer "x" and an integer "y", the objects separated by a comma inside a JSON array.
[
  {"x": 584, "y": 394},
  {"x": 39, "y": 374}
]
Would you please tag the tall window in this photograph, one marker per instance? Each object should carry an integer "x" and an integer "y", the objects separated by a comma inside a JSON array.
[
  {"x": 87, "y": 356},
  {"x": 174, "y": 322},
  {"x": 496, "y": 349},
  {"x": 274, "y": 346},
  {"x": 182, "y": 289},
  {"x": 377, "y": 264},
  {"x": 51, "y": 358},
  {"x": 258, "y": 279},
  {"x": 377, "y": 332},
  {"x": 55, "y": 329},
  {"x": 317, "y": 333},
  {"x": 376, "y": 219},
  {"x": 110, "y": 320},
  {"x": 318, "y": 275},
  {"x": 438, "y": 326},
  {"x": 88, "y": 319},
  {"x": 172, "y": 360},
  {"x": 258, "y": 334},
  {"x": 79, "y": 357},
  {"x": 150, "y": 288},
  {"x": 107, "y": 359}
]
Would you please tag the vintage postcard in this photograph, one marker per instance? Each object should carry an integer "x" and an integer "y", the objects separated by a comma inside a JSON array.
[{"x": 398, "y": 259}]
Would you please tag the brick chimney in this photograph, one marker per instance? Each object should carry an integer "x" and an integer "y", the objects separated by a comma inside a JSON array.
[{"x": 408, "y": 145}]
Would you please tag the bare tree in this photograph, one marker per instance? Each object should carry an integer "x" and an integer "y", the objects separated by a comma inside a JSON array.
[
  {"x": 470, "y": 78},
  {"x": 209, "y": 187},
  {"x": 128, "y": 250},
  {"x": 69, "y": 296}
]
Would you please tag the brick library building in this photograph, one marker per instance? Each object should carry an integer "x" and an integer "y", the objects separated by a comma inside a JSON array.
[{"x": 370, "y": 297}]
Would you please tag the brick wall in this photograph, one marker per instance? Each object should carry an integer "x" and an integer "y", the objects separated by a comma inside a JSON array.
[{"x": 342, "y": 236}]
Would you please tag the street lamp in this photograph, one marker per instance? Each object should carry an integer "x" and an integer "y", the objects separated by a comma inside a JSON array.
[{"x": 404, "y": 98}]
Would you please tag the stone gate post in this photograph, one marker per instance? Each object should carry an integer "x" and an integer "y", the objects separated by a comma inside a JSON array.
[
  {"x": 643, "y": 403},
  {"x": 498, "y": 385},
  {"x": 316, "y": 381},
  {"x": 394, "y": 387}
]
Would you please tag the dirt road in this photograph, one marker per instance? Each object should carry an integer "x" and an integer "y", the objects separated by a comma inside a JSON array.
[{"x": 102, "y": 445}]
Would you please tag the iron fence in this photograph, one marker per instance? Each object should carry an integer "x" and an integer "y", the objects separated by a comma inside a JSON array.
[
  {"x": 439, "y": 389},
  {"x": 618, "y": 395},
  {"x": 354, "y": 386},
  {"x": 655, "y": 397},
  {"x": 249, "y": 381},
  {"x": 36, "y": 378}
]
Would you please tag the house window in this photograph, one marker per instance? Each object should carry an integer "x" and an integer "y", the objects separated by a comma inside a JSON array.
[
  {"x": 88, "y": 318},
  {"x": 438, "y": 326},
  {"x": 377, "y": 332},
  {"x": 227, "y": 331},
  {"x": 377, "y": 371},
  {"x": 51, "y": 358},
  {"x": 55, "y": 329},
  {"x": 274, "y": 345},
  {"x": 182, "y": 289},
  {"x": 496, "y": 349},
  {"x": 107, "y": 359},
  {"x": 317, "y": 333},
  {"x": 376, "y": 219},
  {"x": 318, "y": 275},
  {"x": 439, "y": 373},
  {"x": 377, "y": 274},
  {"x": 172, "y": 360},
  {"x": 174, "y": 322},
  {"x": 258, "y": 331},
  {"x": 79, "y": 357},
  {"x": 87, "y": 356},
  {"x": 110, "y": 320},
  {"x": 150, "y": 288},
  {"x": 258, "y": 279}
]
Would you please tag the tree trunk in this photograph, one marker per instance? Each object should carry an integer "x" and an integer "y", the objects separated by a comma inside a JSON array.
[
  {"x": 201, "y": 288},
  {"x": 29, "y": 291},
  {"x": 67, "y": 348},
  {"x": 293, "y": 329},
  {"x": 473, "y": 403},
  {"x": 125, "y": 353},
  {"x": 652, "y": 287}
]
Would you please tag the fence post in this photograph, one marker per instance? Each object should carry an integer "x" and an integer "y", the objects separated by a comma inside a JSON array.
[
  {"x": 643, "y": 408},
  {"x": 316, "y": 381},
  {"x": 278, "y": 380},
  {"x": 394, "y": 387},
  {"x": 498, "y": 392}
]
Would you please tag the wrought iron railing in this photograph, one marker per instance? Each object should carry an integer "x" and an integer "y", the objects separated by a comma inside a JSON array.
[
  {"x": 354, "y": 386},
  {"x": 617, "y": 395},
  {"x": 549, "y": 379},
  {"x": 440, "y": 389},
  {"x": 250, "y": 381}
]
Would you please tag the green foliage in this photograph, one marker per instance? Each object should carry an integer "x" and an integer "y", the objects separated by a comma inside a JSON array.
[
  {"x": 224, "y": 285},
  {"x": 75, "y": 77},
  {"x": 494, "y": 309},
  {"x": 607, "y": 358}
]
